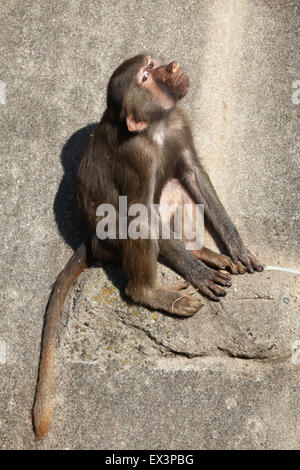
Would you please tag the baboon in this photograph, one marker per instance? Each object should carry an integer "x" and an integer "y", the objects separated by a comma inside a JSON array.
[{"x": 143, "y": 148}]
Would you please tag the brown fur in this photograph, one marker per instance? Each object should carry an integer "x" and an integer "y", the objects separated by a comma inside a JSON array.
[{"x": 44, "y": 391}]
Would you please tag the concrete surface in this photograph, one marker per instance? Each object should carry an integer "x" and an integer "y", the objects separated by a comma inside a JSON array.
[{"x": 127, "y": 377}]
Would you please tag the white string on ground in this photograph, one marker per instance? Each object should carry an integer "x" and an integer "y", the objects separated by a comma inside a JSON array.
[{"x": 279, "y": 268}]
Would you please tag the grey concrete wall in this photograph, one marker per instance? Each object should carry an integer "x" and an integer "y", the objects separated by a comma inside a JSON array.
[{"x": 134, "y": 378}]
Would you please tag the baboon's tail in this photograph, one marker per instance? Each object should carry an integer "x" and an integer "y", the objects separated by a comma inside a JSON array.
[{"x": 45, "y": 384}]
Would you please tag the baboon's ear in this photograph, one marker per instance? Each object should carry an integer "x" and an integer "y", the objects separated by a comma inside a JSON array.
[{"x": 135, "y": 126}]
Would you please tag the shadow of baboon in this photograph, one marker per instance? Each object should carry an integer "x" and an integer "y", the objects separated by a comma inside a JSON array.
[
  {"x": 70, "y": 224},
  {"x": 66, "y": 211}
]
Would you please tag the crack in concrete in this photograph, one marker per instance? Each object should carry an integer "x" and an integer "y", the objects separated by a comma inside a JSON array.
[
  {"x": 241, "y": 355},
  {"x": 161, "y": 344},
  {"x": 187, "y": 354}
]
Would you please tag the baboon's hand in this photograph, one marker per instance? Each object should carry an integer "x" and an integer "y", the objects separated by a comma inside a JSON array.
[
  {"x": 240, "y": 253},
  {"x": 207, "y": 282}
]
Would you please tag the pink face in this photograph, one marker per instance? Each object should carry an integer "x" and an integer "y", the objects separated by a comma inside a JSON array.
[{"x": 166, "y": 83}]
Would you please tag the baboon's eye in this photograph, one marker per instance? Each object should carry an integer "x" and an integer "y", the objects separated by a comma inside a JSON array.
[
  {"x": 150, "y": 64},
  {"x": 145, "y": 76}
]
